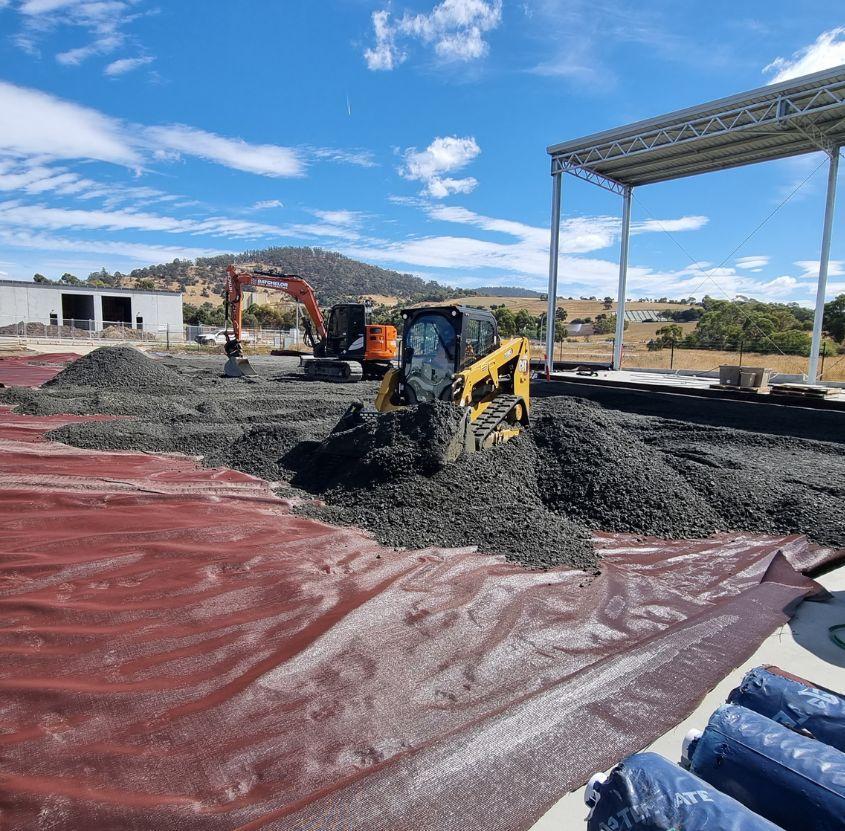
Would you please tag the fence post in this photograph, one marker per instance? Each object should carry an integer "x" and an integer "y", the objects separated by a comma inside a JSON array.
[
  {"x": 672, "y": 354},
  {"x": 823, "y": 353},
  {"x": 741, "y": 344},
  {"x": 167, "y": 329}
]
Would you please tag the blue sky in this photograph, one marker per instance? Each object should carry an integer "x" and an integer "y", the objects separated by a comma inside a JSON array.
[{"x": 410, "y": 135}]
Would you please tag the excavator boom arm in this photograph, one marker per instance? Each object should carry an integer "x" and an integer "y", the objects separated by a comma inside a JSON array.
[{"x": 290, "y": 284}]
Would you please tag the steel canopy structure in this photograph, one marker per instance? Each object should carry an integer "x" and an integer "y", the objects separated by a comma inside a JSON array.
[{"x": 802, "y": 115}]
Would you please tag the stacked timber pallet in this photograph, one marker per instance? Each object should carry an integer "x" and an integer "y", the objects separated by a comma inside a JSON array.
[{"x": 800, "y": 390}]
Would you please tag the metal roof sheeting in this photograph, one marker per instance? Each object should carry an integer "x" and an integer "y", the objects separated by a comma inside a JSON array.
[{"x": 802, "y": 115}]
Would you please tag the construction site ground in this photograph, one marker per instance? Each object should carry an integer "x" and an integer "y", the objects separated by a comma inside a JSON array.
[{"x": 195, "y": 647}]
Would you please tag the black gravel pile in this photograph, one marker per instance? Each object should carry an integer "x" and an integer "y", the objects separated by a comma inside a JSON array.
[
  {"x": 118, "y": 367},
  {"x": 535, "y": 499},
  {"x": 487, "y": 499},
  {"x": 594, "y": 471},
  {"x": 756, "y": 482}
]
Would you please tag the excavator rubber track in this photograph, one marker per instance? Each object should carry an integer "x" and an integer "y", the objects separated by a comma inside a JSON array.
[
  {"x": 328, "y": 369},
  {"x": 486, "y": 425}
]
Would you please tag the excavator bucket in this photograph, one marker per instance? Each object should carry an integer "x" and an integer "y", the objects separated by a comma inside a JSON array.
[{"x": 238, "y": 367}]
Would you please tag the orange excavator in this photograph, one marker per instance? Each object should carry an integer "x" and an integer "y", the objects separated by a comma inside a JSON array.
[{"x": 349, "y": 348}]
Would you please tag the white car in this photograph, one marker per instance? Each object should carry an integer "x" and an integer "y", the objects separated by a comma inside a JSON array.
[{"x": 218, "y": 338}]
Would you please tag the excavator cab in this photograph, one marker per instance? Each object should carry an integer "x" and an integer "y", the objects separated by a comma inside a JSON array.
[
  {"x": 439, "y": 342},
  {"x": 345, "y": 331}
]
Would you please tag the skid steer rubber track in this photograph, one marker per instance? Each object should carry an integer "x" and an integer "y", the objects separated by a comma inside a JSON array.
[
  {"x": 484, "y": 428},
  {"x": 328, "y": 369}
]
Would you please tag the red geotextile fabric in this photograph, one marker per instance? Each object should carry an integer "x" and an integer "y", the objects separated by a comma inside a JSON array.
[
  {"x": 179, "y": 651},
  {"x": 33, "y": 370}
]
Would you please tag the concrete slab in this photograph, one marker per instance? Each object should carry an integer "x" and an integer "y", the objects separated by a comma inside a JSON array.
[{"x": 803, "y": 648}]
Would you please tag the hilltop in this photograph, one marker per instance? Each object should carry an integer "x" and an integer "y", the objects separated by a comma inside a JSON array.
[{"x": 335, "y": 278}]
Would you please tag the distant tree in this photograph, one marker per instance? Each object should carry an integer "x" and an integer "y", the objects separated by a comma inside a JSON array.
[
  {"x": 69, "y": 279},
  {"x": 687, "y": 315},
  {"x": 101, "y": 278},
  {"x": 665, "y": 336},
  {"x": 834, "y": 318},
  {"x": 524, "y": 320},
  {"x": 561, "y": 313},
  {"x": 561, "y": 332},
  {"x": 145, "y": 284},
  {"x": 606, "y": 324},
  {"x": 608, "y": 302},
  {"x": 205, "y": 315},
  {"x": 40, "y": 278},
  {"x": 506, "y": 320}
]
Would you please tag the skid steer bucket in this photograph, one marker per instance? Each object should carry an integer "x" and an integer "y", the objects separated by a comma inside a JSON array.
[
  {"x": 237, "y": 367},
  {"x": 426, "y": 437}
]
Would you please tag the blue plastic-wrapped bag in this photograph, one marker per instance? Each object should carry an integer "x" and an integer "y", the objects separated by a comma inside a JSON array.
[
  {"x": 814, "y": 711},
  {"x": 646, "y": 792},
  {"x": 796, "y": 782}
]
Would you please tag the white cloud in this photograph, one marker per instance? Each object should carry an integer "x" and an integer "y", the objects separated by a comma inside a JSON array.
[
  {"x": 266, "y": 204},
  {"x": 810, "y": 268},
  {"x": 385, "y": 54},
  {"x": 263, "y": 159},
  {"x": 124, "y": 65},
  {"x": 19, "y": 215},
  {"x": 826, "y": 51},
  {"x": 139, "y": 253},
  {"x": 578, "y": 235},
  {"x": 104, "y": 21},
  {"x": 779, "y": 287},
  {"x": 35, "y": 7},
  {"x": 524, "y": 254},
  {"x": 752, "y": 263},
  {"x": 14, "y": 213},
  {"x": 341, "y": 217},
  {"x": 684, "y": 223},
  {"x": 101, "y": 46},
  {"x": 359, "y": 157},
  {"x": 443, "y": 155},
  {"x": 33, "y": 122},
  {"x": 456, "y": 29}
]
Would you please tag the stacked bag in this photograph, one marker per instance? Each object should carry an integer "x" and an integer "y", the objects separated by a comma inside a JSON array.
[{"x": 772, "y": 758}]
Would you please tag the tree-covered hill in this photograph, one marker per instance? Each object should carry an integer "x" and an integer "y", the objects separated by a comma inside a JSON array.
[{"x": 334, "y": 277}]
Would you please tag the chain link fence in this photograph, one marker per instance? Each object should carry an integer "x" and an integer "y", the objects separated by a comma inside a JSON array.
[
  {"x": 69, "y": 331},
  {"x": 703, "y": 358}
]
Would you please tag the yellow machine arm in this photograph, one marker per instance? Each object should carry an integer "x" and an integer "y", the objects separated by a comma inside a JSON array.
[{"x": 478, "y": 385}]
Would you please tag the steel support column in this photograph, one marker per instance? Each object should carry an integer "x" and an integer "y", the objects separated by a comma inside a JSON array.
[
  {"x": 554, "y": 245},
  {"x": 623, "y": 279},
  {"x": 833, "y": 169}
]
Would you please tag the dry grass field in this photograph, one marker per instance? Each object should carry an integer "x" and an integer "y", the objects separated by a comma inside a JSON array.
[
  {"x": 637, "y": 356},
  {"x": 574, "y": 308}
]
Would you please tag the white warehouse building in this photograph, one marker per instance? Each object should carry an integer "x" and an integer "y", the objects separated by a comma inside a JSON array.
[{"x": 89, "y": 307}]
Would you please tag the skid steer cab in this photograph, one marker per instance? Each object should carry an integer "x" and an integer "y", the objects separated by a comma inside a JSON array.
[{"x": 454, "y": 354}]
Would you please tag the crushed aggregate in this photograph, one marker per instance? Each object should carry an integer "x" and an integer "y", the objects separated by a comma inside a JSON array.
[
  {"x": 536, "y": 500},
  {"x": 118, "y": 367}
]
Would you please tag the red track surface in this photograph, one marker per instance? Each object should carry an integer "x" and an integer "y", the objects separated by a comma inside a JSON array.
[
  {"x": 179, "y": 651},
  {"x": 33, "y": 370}
]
